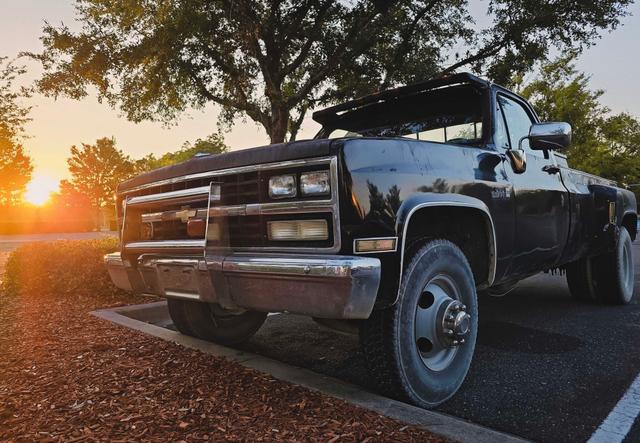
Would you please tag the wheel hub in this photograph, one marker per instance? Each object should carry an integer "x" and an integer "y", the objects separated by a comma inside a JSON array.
[
  {"x": 442, "y": 323},
  {"x": 456, "y": 323}
]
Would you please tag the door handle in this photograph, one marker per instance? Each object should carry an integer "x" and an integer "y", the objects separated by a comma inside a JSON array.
[{"x": 551, "y": 169}]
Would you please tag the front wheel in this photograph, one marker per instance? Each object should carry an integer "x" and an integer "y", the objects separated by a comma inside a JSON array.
[
  {"x": 420, "y": 349},
  {"x": 211, "y": 322}
]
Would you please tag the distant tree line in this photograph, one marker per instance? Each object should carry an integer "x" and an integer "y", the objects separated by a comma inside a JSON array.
[{"x": 604, "y": 143}]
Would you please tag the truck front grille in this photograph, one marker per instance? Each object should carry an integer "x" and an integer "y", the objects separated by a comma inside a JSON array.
[{"x": 233, "y": 204}]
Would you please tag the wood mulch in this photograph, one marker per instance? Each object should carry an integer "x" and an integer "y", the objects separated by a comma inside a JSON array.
[{"x": 67, "y": 376}]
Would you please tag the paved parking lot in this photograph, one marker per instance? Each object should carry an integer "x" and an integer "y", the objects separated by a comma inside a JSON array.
[{"x": 547, "y": 368}]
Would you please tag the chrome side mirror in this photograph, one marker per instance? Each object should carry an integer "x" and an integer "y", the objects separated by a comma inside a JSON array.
[{"x": 550, "y": 136}]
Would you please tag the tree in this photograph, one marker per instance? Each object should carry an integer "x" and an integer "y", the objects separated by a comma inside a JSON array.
[
  {"x": 212, "y": 144},
  {"x": 15, "y": 164},
  {"x": 96, "y": 170},
  {"x": 603, "y": 143},
  {"x": 273, "y": 60}
]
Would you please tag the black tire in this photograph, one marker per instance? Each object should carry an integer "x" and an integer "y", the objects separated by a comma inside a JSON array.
[
  {"x": 607, "y": 278},
  {"x": 398, "y": 362},
  {"x": 210, "y": 322},
  {"x": 615, "y": 273},
  {"x": 176, "y": 311},
  {"x": 581, "y": 281}
]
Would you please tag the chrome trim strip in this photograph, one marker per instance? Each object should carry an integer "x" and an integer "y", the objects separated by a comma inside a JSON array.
[
  {"x": 183, "y": 195},
  {"x": 322, "y": 266},
  {"x": 237, "y": 170},
  {"x": 166, "y": 244},
  {"x": 355, "y": 251},
  {"x": 275, "y": 208},
  {"x": 492, "y": 246}
]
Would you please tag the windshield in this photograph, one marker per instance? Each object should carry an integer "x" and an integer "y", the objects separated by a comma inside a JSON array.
[{"x": 446, "y": 115}]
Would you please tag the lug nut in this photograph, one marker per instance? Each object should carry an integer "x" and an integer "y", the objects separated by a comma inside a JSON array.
[
  {"x": 462, "y": 341},
  {"x": 449, "y": 317},
  {"x": 464, "y": 308},
  {"x": 448, "y": 332},
  {"x": 456, "y": 343}
]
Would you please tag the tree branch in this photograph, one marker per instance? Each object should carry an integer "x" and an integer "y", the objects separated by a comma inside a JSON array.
[
  {"x": 486, "y": 52},
  {"x": 304, "y": 50},
  {"x": 405, "y": 43},
  {"x": 358, "y": 48}
]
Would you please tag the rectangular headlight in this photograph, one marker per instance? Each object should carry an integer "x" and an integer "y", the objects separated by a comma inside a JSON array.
[
  {"x": 282, "y": 186},
  {"x": 315, "y": 183},
  {"x": 296, "y": 230}
]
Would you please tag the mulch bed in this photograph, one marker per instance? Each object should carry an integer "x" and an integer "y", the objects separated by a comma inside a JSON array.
[{"x": 67, "y": 376}]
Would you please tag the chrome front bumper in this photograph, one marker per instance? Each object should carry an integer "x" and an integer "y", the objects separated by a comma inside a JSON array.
[{"x": 325, "y": 286}]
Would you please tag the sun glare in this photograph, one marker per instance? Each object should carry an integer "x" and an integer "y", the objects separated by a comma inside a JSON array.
[{"x": 39, "y": 189}]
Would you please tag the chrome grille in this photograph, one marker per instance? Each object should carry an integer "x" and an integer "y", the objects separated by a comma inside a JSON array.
[{"x": 232, "y": 201}]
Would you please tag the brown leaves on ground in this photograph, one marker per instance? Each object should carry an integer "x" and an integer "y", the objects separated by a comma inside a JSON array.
[{"x": 67, "y": 376}]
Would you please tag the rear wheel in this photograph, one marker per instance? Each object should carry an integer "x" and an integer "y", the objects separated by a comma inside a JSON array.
[
  {"x": 211, "y": 322},
  {"x": 420, "y": 349},
  {"x": 608, "y": 278}
]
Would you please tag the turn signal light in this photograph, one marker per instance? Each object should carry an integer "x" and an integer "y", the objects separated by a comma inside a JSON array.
[
  {"x": 296, "y": 230},
  {"x": 375, "y": 245}
]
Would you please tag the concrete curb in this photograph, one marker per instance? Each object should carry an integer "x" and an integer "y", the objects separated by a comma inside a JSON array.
[{"x": 150, "y": 319}]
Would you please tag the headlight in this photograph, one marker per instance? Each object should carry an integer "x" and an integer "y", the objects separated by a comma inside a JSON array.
[
  {"x": 292, "y": 230},
  {"x": 282, "y": 186},
  {"x": 315, "y": 183}
]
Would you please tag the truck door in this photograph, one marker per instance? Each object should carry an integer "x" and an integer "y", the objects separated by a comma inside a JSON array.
[{"x": 541, "y": 199}]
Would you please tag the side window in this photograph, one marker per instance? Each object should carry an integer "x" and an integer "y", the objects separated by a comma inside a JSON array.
[{"x": 517, "y": 119}]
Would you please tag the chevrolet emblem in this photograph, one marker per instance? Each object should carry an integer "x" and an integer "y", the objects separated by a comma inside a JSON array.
[{"x": 186, "y": 214}]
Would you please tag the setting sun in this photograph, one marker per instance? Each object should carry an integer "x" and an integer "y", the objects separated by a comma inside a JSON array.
[{"x": 39, "y": 189}]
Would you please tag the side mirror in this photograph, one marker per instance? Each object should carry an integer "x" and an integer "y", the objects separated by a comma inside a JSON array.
[{"x": 550, "y": 136}]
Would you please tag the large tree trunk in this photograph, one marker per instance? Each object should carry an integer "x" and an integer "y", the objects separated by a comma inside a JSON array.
[{"x": 279, "y": 125}]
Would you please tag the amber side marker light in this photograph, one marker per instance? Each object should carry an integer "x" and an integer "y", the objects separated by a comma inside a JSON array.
[{"x": 371, "y": 245}]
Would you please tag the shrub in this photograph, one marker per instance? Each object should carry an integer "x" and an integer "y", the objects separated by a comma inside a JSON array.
[{"x": 60, "y": 268}]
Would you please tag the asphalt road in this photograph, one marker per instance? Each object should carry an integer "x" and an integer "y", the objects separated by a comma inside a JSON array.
[{"x": 546, "y": 368}]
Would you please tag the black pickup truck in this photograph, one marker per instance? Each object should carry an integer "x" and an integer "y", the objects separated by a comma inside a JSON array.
[{"x": 405, "y": 206}]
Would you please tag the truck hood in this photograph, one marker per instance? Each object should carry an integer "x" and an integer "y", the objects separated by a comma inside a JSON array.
[{"x": 244, "y": 157}]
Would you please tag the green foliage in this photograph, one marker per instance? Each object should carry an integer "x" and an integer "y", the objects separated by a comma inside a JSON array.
[
  {"x": 273, "y": 60},
  {"x": 64, "y": 269},
  {"x": 604, "y": 144},
  {"x": 212, "y": 144},
  {"x": 15, "y": 165},
  {"x": 96, "y": 171}
]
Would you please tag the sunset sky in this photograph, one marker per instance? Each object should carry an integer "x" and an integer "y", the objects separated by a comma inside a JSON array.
[{"x": 57, "y": 125}]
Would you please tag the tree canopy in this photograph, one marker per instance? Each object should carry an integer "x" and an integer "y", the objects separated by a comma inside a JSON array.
[
  {"x": 96, "y": 170},
  {"x": 15, "y": 164},
  {"x": 603, "y": 143},
  {"x": 273, "y": 60},
  {"x": 212, "y": 144}
]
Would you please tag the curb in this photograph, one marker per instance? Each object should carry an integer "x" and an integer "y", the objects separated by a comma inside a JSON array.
[{"x": 141, "y": 317}]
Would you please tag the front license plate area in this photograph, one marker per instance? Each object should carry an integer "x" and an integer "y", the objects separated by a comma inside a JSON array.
[{"x": 178, "y": 279}]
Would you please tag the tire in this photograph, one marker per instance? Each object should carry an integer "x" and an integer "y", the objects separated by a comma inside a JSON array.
[
  {"x": 176, "y": 311},
  {"x": 396, "y": 341},
  {"x": 581, "y": 281},
  {"x": 615, "y": 274},
  {"x": 211, "y": 322},
  {"x": 607, "y": 278}
]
